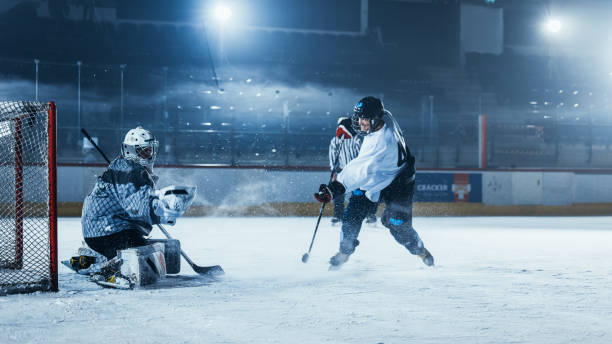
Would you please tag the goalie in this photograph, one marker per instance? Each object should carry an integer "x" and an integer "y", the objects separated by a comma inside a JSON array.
[{"x": 123, "y": 206}]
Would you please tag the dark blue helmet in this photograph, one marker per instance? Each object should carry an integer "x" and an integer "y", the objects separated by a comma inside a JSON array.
[{"x": 370, "y": 108}]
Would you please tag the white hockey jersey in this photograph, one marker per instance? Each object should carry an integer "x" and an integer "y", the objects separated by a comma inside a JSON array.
[{"x": 376, "y": 165}]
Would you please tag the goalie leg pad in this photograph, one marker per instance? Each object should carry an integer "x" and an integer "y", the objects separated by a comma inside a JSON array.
[
  {"x": 172, "y": 254},
  {"x": 144, "y": 264}
]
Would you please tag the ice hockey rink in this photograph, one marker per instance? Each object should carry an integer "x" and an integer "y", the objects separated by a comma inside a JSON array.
[{"x": 496, "y": 279}]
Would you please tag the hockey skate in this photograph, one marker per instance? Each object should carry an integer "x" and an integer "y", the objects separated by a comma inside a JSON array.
[
  {"x": 427, "y": 258},
  {"x": 78, "y": 263},
  {"x": 337, "y": 260},
  {"x": 371, "y": 220},
  {"x": 335, "y": 221},
  {"x": 86, "y": 261},
  {"x": 110, "y": 275}
]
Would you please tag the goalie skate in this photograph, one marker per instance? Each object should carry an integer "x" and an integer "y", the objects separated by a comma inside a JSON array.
[
  {"x": 116, "y": 281},
  {"x": 86, "y": 261},
  {"x": 83, "y": 265},
  {"x": 110, "y": 275}
]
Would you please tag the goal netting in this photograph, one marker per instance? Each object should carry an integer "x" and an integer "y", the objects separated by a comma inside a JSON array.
[{"x": 28, "y": 219}]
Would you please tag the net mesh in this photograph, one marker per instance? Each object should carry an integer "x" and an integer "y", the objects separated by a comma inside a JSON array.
[{"x": 25, "y": 250}]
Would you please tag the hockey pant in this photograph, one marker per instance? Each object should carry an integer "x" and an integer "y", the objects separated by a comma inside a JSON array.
[
  {"x": 397, "y": 217},
  {"x": 339, "y": 206},
  {"x": 108, "y": 245}
]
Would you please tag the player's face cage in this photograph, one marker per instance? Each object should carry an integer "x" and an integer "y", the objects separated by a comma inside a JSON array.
[
  {"x": 146, "y": 152},
  {"x": 356, "y": 126}
]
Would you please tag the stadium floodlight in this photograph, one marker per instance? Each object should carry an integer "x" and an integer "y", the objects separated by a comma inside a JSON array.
[
  {"x": 223, "y": 13},
  {"x": 553, "y": 25}
]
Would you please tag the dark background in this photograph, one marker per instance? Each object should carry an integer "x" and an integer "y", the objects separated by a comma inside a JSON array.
[{"x": 267, "y": 87}]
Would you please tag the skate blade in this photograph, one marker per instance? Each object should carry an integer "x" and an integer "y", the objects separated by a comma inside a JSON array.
[
  {"x": 67, "y": 263},
  {"x": 428, "y": 260},
  {"x": 113, "y": 282},
  {"x": 334, "y": 267},
  {"x": 113, "y": 285}
]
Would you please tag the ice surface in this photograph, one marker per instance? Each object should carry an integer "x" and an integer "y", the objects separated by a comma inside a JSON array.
[{"x": 497, "y": 280}]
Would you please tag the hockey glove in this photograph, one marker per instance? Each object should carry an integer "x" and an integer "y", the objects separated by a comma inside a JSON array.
[
  {"x": 345, "y": 128},
  {"x": 172, "y": 202},
  {"x": 327, "y": 192}
]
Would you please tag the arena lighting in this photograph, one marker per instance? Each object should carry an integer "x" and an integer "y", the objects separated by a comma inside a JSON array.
[
  {"x": 553, "y": 25},
  {"x": 223, "y": 13}
]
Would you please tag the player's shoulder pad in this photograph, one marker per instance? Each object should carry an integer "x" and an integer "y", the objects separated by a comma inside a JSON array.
[{"x": 124, "y": 171}]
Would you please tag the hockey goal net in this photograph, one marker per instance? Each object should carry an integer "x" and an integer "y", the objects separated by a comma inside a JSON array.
[{"x": 28, "y": 217}]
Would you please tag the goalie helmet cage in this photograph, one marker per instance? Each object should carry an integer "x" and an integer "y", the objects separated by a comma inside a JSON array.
[{"x": 28, "y": 197}]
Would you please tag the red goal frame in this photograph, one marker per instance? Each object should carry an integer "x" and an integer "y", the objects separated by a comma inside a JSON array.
[{"x": 20, "y": 202}]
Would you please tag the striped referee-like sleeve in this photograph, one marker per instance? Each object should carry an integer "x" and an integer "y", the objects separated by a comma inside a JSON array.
[{"x": 349, "y": 149}]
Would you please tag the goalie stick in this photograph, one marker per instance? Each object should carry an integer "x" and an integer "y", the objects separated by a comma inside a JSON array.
[{"x": 201, "y": 270}]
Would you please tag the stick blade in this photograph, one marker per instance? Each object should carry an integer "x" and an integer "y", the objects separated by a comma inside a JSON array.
[
  {"x": 214, "y": 270},
  {"x": 305, "y": 258}
]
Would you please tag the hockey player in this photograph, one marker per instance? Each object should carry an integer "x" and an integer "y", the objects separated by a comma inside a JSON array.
[
  {"x": 382, "y": 172},
  {"x": 124, "y": 205},
  {"x": 345, "y": 150}
]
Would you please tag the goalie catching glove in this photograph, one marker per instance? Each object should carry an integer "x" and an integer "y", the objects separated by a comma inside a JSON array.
[
  {"x": 172, "y": 201},
  {"x": 327, "y": 192}
]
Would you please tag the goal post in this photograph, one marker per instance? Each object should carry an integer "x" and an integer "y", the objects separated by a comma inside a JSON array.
[{"x": 28, "y": 197}]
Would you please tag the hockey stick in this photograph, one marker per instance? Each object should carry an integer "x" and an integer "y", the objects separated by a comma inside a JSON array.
[
  {"x": 307, "y": 254},
  {"x": 95, "y": 145},
  {"x": 202, "y": 270}
]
